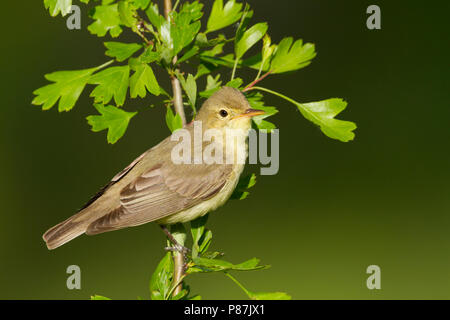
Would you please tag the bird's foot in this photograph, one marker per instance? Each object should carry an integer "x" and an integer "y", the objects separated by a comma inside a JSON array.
[{"x": 176, "y": 247}]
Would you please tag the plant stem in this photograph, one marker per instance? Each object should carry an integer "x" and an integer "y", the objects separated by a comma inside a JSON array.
[
  {"x": 272, "y": 92},
  {"x": 238, "y": 283},
  {"x": 105, "y": 64},
  {"x": 179, "y": 234},
  {"x": 176, "y": 87},
  {"x": 258, "y": 79},
  {"x": 178, "y": 257},
  {"x": 234, "y": 68}
]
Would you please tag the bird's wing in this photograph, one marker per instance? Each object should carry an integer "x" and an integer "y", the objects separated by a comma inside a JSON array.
[
  {"x": 114, "y": 180},
  {"x": 161, "y": 191}
]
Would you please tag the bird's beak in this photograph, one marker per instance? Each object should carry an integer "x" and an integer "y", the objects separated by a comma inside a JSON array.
[{"x": 249, "y": 113}]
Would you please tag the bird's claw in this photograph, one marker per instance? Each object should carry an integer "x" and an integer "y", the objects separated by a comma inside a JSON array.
[{"x": 178, "y": 248}]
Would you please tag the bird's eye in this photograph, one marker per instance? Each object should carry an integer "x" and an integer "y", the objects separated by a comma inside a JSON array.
[{"x": 223, "y": 113}]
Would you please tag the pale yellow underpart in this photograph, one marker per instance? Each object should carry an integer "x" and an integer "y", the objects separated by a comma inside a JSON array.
[{"x": 218, "y": 200}]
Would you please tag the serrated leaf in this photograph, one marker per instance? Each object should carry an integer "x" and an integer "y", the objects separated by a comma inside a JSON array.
[
  {"x": 153, "y": 16},
  {"x": 212, "y": 85},
  {"x": 190, "y": 87},
  {"x": 322, "y": 113},
  {"x": 141, "y": 4},
  {"x": 183, "y": 293},
  {"x": 189, "y": 54},
  {"x": 222, "y": 16},
  {"x": 214, "y": 265},
  {"x": 127, "y": 14},
  {"x": 289, "y": 58},
  {"x": 98, "y": 297},
  {"x": 107, "y": 19},
  {"x": 249, "y": 38},
  {"x": 142, "y": 80},
  {"x": 121, "y": 51},
  {"x": 235, "y": 83},
  {"x": 57, "y": 6},
  {"x": 161, "y": 279},
  {"x": 112, "y": 118},
  {"x": 112, "y": 82},
  {"x": 180, "y": 29},
  {"x": 245, "y": 183},
  {"x": 67, "y": 88},
  {"x": 256, "y": 102},
  {"x": 197, "y": 231},
  {"x": 206, "y": 241},
  {"x": 149, "y": 56},
  {"x": 173, "y": 121}
]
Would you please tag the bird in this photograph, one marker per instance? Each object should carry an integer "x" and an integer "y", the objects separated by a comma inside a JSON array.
[{"x": 155, "y": 189}]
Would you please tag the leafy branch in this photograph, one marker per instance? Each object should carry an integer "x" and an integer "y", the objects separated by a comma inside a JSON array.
[{"x": 173, "y": 42}]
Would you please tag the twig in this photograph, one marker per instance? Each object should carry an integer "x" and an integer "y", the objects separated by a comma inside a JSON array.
[
  {"x": 178, "y": 257},
  {"x": 257, "y": 80},
  {"x": 176, "y": 87}
]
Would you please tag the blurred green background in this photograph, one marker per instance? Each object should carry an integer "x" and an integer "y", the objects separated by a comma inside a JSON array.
[{"x": 332, "y": 210}]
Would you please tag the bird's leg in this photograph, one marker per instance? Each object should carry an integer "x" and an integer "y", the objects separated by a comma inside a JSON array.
[{"x": 176, "y": 246}]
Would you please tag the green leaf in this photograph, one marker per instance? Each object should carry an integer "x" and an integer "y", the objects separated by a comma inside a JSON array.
[
  {"x": 214, "y": 265},
  {"x": 121, "y": 51},
  {"x": 201, "y": 40},
  {"x": 249, "y": 38},
  {"x": 197, "y": 231},
  {"x": 183, "y": 293},
  {"x": 260, "y": 295},
  {"x": 216, "y": 50},
  {"x": 107, "y": 19},
  {"x": 57, "y": 6},
  {"x": 256, "y": 102},
  {"x": 221, "y": 16},
  {"x": 141, "y": 4},
  {"x": 323, "y": 112},
  {"x": 180, "y": 29},
  {"x": 268, "y": 295},
  {"x": 67, "y": 88},
  {"x": 98, "y": 297},
  {"x": 206, "y": 241},
  {"x": 190, "y": 87},
  {"x": 149, "y": 56},
  {"x": 189, "y": 54},
  {"x": 153, "y": 15},
  {"x": 142, "y": 80},
  {"x": 161, "y": 280},
  {"x": 212, "y": 85},
  {"x": 127, "y": 14},
  {"x": 287, "y": 58},
  {"x": 111, "y": 82},
  {"x": 235, "y": 83},
  {"x": 112, "y": 118},
  {"x": 173, "y": 121},
  {"x": 245, "y": 183}
]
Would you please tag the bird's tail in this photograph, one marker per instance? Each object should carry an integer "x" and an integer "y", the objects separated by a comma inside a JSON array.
[{"x": 67, "y": 230}]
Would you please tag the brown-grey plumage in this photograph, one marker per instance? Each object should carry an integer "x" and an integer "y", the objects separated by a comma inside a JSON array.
[{"x": 153, "y": 188}]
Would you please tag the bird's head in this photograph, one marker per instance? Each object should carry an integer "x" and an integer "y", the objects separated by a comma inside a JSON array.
[{"x": 227, "y": 108}]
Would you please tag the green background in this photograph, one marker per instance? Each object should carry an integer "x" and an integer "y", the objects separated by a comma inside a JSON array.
[{"x": 332, "y": 210}]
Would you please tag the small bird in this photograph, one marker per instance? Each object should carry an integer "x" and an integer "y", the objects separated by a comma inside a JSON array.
[{"x": 155, "y": 189}]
